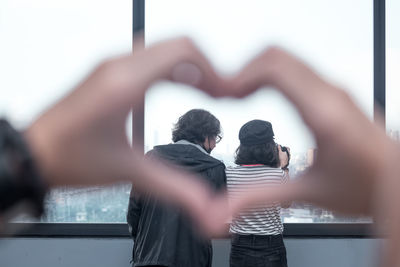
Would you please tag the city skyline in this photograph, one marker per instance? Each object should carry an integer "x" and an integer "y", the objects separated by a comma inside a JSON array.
[{"x": 109, "y": 204}]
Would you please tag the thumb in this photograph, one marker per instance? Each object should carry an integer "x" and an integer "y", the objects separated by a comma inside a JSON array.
[{"x": 293, "y": 190}]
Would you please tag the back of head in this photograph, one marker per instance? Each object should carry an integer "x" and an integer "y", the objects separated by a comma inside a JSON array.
[
  {"x": 195, "y": 126},
  {"x": 257, "y": 145}
]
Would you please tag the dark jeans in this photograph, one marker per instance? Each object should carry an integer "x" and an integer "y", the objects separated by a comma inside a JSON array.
[{"x": 257, "y": 251}]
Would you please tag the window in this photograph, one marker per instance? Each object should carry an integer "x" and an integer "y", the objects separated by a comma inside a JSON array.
[
  {"x": 46, "y": 48},
  {"x": 336, "y": 38},
  {"x": 392, "y": 69}
]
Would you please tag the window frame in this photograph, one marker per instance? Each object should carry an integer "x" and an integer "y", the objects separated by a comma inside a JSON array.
[
  {"x": 120, "y": 230},
  {"x": 292, "y": 230}
]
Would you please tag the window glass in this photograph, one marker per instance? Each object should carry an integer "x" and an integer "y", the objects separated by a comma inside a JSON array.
[
  {"x": 392, "y": 69},
  {"x": 335, "y": 38},
  {"x": 47, "y": 47}
]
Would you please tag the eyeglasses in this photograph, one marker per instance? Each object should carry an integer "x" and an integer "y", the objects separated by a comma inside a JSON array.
[{"x": 218, "y": 139}]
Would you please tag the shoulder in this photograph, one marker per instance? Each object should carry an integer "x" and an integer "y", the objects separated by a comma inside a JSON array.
[
  {"x": 255, "y": 171},
  {"x": 233, "y": 168},
  {"x": 217, "y": 161},
  {"x": 216, "y": 164}
]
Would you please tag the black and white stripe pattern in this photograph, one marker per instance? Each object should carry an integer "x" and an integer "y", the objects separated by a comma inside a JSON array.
[{"x": 260, "y": 219}]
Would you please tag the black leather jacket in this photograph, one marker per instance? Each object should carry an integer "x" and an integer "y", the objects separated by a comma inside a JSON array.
[{"x": 163, "y": 235}]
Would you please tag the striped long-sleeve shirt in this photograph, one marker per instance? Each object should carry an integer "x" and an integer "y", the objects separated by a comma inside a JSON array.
[{"x": 260, "y": 219}]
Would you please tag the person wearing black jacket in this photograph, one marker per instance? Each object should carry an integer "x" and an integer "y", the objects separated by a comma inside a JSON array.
[{"x": 162, "y": 234}]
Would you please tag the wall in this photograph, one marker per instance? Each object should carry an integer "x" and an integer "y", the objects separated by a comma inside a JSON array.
[{"x": 60, "y": 252}]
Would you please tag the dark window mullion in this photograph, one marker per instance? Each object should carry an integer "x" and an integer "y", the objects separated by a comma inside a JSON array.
[
  {"x": 379, "y": 59},
  {"x": 138, "y": 15}
]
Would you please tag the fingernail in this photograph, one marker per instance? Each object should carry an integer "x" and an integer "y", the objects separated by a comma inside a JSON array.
[{"x": 187, "y": 73}]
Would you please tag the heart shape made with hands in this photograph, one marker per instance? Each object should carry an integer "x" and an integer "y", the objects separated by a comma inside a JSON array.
[{"x": 88, "y": 127}]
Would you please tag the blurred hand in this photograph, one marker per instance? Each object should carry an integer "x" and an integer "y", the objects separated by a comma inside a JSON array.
[{"x": 356, "y": 170}]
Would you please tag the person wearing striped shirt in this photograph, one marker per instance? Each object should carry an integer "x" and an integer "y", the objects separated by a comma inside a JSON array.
[{"x": 256, "y": 232}]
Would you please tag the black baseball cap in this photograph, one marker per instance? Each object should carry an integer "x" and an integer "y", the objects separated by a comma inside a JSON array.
[{"x": 256, "y": 132}]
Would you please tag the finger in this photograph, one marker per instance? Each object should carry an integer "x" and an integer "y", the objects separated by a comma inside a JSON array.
[
  {"x": 165, "y": 182},
  {"x": 275, "y": 67},
  {"x": 280, "y": 148},
  {"x": 309, "y": 188},
  {"x": 215, "y": 217},
  {"x": 337, "y": 191},
  {"x": 303, "y": 87},
  {"x": 171, "y": 186},
  {"x": 293, "y": 190},
  {"x": 192, "y": 68},
  {"x": 178, "y": 60},
  {"x": 183, "y": 189}
]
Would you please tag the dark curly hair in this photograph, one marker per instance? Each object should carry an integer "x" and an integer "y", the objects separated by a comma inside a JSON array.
[
  {"x": 266, "y": 154},
  {"x": 195, "y": 126}
]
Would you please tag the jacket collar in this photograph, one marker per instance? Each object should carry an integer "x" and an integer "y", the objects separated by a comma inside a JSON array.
[{"x": 185, "y": 142}]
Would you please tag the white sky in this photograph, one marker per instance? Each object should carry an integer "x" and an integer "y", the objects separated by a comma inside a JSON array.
[
  {"x": 48, "y": 46},
  {"x": 392, "y": 65},
  {"x": 334, "y": 40}
]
